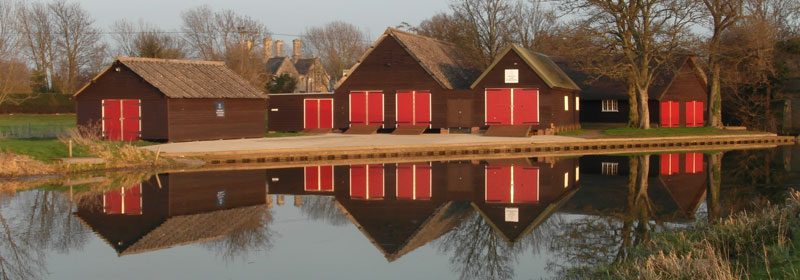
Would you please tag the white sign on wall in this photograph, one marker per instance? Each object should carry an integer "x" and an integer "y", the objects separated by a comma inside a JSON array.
[
  {"x": 512, "y": 76},
  {"x": 512, "y": 215}
]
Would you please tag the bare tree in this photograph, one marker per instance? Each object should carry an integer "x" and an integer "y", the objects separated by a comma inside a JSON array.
[
  {"x": 338, "y": 44},
  {"x": 76, "y": 40},
  {"x": 646, "y": 33},
  {"x": 489, "y": 21},
  {"x": 37, "y": 28},
  {"x": 720, "y": 14},
  {"x": 14, "y": 74},
  {"x": 211, "y": 34},
  {"x": 449, "y": 28},
  {"x": 532, "y": 22},
  {"x": 145, "y": 40}
]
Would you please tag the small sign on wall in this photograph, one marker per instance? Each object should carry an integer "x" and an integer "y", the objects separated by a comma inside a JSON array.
[
  {"x": 219, "y": 108},
  {"x": 512, "y": 215},
  {"x": 221, "y": 195},
  {"x": 512, "y": 76}
]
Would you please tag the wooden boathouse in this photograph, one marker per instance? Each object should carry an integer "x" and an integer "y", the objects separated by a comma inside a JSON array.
[
  {"x": 678, "y": 97},
  {"x": 525, "y": 90},
  {"x": 170, "y": 100},
  {"x": 403, "y": 81}
]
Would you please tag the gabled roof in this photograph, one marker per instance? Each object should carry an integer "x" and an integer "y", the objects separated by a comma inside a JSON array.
[
  {"x": 186, "y": 78},
  {"x": 274, "y": 64},
  {"x": 550, "y": 73},
  {"x": 443, "y": 61},
  {"x": 304, "y": 64},
  {"x": 663, "y": 80}
]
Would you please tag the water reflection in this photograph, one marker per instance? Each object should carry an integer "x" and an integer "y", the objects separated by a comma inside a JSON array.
[{"x": 486, "y": 217}]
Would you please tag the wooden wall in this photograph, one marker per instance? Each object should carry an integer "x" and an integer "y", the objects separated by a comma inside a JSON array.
[
  {"x": 551, "y": 107},
  {"x": 285, "y": 111},
  {"x": 124, "y": 85},
  {"x": 687, "y": 86},
  {"x": 389, "y": 68},
  {"x": 196, "y": 192},
  {"x": 195, "y": 119}
]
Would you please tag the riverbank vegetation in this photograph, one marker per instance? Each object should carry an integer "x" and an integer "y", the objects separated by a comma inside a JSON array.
[{"x": 762, "y": 244}]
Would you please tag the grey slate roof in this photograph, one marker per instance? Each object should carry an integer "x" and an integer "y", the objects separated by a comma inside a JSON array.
[{"x": 188, "y": 78}]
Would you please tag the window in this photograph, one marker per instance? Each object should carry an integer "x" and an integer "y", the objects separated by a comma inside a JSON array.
[
  {"x": 577, "y": 103},
  {"x": 577, "y": 173},
  {"x": 610, "y": 105},
  {"x": 566, "y": 103},
  {"x": 610, "y": 168},
  {"x": 566, "y": 179}
]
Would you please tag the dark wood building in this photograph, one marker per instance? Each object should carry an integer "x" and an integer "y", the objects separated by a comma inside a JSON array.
[
  {"x": 678, "y": 97},
  {"x": 170, "y": 100},
  {"x": 300, "y": 112},
  {"x": 405, "y": 79},
  {"x": 526, "y": 89}
]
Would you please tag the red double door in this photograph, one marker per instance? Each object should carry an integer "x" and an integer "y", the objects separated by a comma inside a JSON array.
[
  {"x": 126, "y": 201},
  {"x": 122, "y": 119},
  {"x": 366, "y": 181},
  {"x": 413, "y": 107},
  {"x": 671, "y": 114},
  {"x": 512, "y": 184},
  {"x": 670, "y": 163},
  {"x": 507, "y": 106},
  {"x": 317, "y": 113},
  {"x": 366, "y": 108},
  {"x": 318, "y": 178}
]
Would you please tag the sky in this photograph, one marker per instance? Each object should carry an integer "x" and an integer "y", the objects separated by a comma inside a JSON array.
[{"x": 281, "y": 17}]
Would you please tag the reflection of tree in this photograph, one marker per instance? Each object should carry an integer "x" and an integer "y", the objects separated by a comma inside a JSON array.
[
  {"x": 605, "y": 238},
  {"x": 251, "y": 235},
  {"x": 323, "y": 208},
  {"x": 19, "y": 259},
  {"x": 478, "y": 251}
]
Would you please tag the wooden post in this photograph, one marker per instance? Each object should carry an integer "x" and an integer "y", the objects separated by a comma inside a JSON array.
[
  {"x": 155, "y": 161},
  {"x": 70, "y": 147}
]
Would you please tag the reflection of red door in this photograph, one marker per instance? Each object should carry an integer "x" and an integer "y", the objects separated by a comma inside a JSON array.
[
  {"x": 512, "y": 184},
  {"x": 413, "y": 107},
  {"x": 694, "y": 163},
  {"x": 526, "y": 106},
  {"x": 318, "y": 113},
  {"x": 414, "y": 181},
  {"x": 123, "y": 201},
  {"x": 694, "y": 114},
  {"x": 670, "y": 164},
  {"x": 670, "y": 114},
  {"x": 366, "y": 108},
  {"x": 366, "y": 181},
  {"x": 318, "y": 178},
  {"x": 121, "y": 119}
]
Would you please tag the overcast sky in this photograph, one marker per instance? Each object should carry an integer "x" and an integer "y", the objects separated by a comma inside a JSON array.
[{"x": 281, "y": 17}]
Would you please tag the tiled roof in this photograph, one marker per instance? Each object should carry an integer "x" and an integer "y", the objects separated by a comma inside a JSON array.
[{"x": 552, "y": 75}]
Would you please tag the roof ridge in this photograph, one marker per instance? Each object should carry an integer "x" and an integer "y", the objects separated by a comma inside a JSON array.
[
  {"x": 165, "y": 60},
  {"x": 395, "y": 30}
]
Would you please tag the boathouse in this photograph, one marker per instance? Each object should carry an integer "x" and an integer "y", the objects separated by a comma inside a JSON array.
[
  {"x": 170, "y": 100},
  {"x": 523, "y": 91},
  {"x": 678, "y": 97},
  {"x": 403, "y": 81}
]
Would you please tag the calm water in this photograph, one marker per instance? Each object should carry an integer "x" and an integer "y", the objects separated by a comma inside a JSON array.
[{"x": 526, "y": 218}]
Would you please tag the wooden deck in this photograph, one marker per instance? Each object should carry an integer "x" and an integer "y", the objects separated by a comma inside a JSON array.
[{"x": 284, "y": 157}]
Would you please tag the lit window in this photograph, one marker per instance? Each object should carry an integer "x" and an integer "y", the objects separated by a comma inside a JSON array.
[
  {"x": 577, "y": 103},
  {"x": 610, "y": 105},
  {"x": 610, "y": 168},
  {"x": 566, "y": 103},
  {"x": 577, "y": 173},
  {"x": 566, "y": 179}
]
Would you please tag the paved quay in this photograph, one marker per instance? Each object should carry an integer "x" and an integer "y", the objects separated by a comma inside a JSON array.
[{"x": 336, "y": 140}]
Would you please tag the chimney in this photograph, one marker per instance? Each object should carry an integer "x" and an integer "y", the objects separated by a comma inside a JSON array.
[
  {"x": 249, "y": 44},
  {"x": 297, "y": 49},
  {"x": 278, "y": 48},
  {"x": 267, "y": 48}
]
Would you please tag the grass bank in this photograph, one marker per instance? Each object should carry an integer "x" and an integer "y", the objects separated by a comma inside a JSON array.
[
  {"x": 763, "y": 244},
  {"x": 31, "y": 125},
  {"x": 671, "y": 131}
]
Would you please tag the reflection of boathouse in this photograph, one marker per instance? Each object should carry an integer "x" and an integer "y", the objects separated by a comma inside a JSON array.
[
  {"x": 176, "y": 209},
  {"x": 677, "y": 185}
]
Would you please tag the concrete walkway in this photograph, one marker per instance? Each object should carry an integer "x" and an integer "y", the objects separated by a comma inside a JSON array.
[{"x": 336, "y": 140}]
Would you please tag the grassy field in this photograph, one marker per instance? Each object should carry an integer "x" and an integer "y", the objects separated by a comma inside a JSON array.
[
  {"x": 46, "y": 149},
  {"x": 35, "y": 126}
]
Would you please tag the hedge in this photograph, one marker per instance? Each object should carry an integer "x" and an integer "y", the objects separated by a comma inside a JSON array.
[{"x": 45, "y": 103}]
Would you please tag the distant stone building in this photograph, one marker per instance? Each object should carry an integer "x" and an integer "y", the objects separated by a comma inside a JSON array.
[{"x": 309, "y": 72}]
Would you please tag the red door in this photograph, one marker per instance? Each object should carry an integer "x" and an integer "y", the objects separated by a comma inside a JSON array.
[
  {"x": 317, "y": 113},
  {"x": 526, "y": 184},
  {"x": 112, "y": 201},
  {"x": 318, "y": 178},
  {"x": 512, "y": 184},
  {"x": 670, "y": 164},
  {"x": 498, "y": 184},
  {"x": 413, "y": 108},
  {"x": 121, "y": 119},
  {"x": 694, "y": 114},
  {"x": 414, "y": 181},
  {"x": 123, "y": 201},
  {"x": 694, "y": 163},
  {"x": 670, "y": 114},
  {"x": 498, "y": 106},
  {"x": 526, "y": 106},
  {"x": 366, "y": 108},
  {"x": 366, "y": 181}
]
